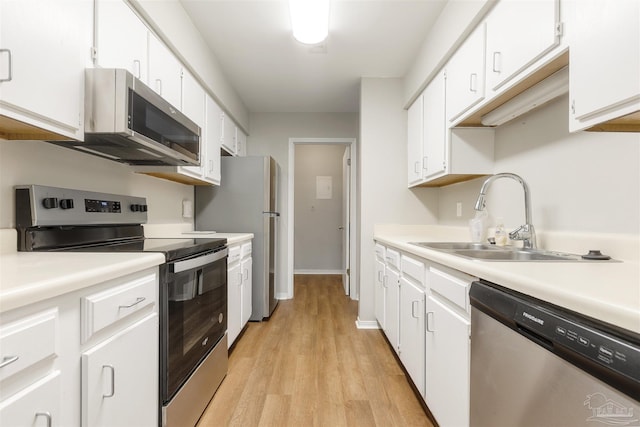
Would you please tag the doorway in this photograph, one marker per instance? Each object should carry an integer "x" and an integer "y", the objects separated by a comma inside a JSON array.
[{"x": 321, "y": 231}]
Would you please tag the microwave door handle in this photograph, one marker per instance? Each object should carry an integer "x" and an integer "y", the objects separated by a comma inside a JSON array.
[{"x": 200, "y": 261}]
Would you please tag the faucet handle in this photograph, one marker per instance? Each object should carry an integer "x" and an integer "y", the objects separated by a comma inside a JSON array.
[{"x": 525, "y": 233}]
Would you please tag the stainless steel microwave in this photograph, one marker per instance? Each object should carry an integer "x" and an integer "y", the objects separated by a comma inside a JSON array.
[{"x": 128, "y": 122}]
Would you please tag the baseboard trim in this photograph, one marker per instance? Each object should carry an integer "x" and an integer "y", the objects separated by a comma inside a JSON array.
[
  {"x": 367, "y": 324},
  {"x": 318, "y": 271},
  {"x": 283, "y": 295}
]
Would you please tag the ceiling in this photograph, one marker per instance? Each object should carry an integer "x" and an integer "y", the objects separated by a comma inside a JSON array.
[{"x": 272, "y": 72}]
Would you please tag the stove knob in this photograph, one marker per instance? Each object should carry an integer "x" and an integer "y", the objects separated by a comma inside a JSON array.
[
  {"x": 66, "y": 204},
  {"x": 143, "y": 208},
  {"x": 50, "y": 202},
  {"x": 135, "y": 208}
]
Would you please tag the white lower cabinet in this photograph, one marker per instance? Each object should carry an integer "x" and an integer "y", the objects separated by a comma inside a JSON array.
[
  {"x": 448, "y": 348},
  {"x": 380, "y": 292},
  {"x": 120, "y": 378},
  {"x": 239, "y": 290},
  {"x": 36, "y": 405},
  {"x": 392, "y": 307},
  {"x": 412, "y": 349},
  {"x": 89, "y": 357}
]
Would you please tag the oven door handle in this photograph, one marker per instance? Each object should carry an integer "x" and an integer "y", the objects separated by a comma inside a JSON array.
[{"x": 200, "y": 261}]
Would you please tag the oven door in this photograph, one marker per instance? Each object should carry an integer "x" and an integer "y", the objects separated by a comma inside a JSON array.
[{"x": 194, "y": 316}]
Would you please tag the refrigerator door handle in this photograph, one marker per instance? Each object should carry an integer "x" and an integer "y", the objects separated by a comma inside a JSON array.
[{"x": 271, "y": 213}]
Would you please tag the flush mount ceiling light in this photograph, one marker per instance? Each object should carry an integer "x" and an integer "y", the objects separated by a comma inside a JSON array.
[{"x": 309, "y": 20}]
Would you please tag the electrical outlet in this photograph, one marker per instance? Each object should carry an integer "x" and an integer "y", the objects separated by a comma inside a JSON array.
[{"x": 459, "y": 209}]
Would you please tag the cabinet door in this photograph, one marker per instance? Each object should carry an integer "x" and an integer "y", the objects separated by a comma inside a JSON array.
[
  {"x": 117, "y": 47},
  {"x": 435, "y": 130},
  {"x": 234, "y": 302},
  {"x": 414, "y": 142},
  {"x": 36, "y": 405},
  {"x": 447, "y": 364},
  {"x": 241, "y": 142},
  {"x": 247, "y": 280},
  {"x": 165, "y": 72},
  {"x": 120, "y": 378},
  {"x": 213, "y": 135},
  {"x": 605, "y": 53},
  {"x": 193, "y": 106},
  {"x": 228, "y": 135},
  {"x": 465, "y": 75},
  {"x": 412, "y": 327},
  {"x": 392, "y": 308},
  {"x": 518, "y": 34},
  {"x": 380, "y": 292},
  {"x": 42, "y": 64}
]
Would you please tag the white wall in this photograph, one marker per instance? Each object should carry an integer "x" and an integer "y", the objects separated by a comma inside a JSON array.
[
  {"x": 384, "y": 196},
  {"x": 583, "y": 182},
  {"x": 270, "y": 133},
  {"x": 37, "y": 162},
  {"x": 317, "y": 237},
  {"x": 172, "y": 23}
]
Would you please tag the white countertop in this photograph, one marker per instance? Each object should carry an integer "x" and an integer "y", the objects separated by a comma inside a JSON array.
[
  {"x": 29, "y": 277},
  {"x": 607, "y": 291},
  {"x": 171, "y": 231}
]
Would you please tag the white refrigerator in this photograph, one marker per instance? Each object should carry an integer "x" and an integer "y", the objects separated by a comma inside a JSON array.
[{"x": 246, "y": 201}]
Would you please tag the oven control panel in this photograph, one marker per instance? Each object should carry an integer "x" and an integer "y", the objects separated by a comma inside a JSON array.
[{"x": 42, "y": 206}]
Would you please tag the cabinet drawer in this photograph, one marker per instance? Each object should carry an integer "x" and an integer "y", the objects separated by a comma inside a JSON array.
[
  {"x": 36, "y": 405},
  {"x": 234, "y": 254},
  {"x": 380, "y": 250},
  {"x": 392, "y": 258},
  {"x": 245, "y": 250},
  {"x": 107, "y": 307},
  {"x": 452, "y": 285},
  {"x": 413, "y": 268},
  {"x": 27, "y": 341}
]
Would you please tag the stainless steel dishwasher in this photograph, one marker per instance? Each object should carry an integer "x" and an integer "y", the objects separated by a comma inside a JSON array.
[{"x": 535, "y": 364}]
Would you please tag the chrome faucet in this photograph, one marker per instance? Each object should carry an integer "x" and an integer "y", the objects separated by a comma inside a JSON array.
[{"x": 525, "y": 232}]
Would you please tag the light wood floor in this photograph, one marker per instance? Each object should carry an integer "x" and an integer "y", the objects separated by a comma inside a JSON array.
[{"x": 309, "y": 366}]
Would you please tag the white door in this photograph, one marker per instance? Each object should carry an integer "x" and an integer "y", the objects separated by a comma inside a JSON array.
[{"x": 346, "y": 211}]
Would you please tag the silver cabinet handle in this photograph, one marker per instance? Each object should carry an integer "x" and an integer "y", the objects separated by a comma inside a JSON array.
[
  {"x": 416, "y": 167},
  {"x": 239, "y": 278},
  {"x": 380, "y": 276},
  {"x": 413, "y": 309},
  {"x": 113, "y": 380},
  {"x": 138, "y": 301},
  {"x": 159, "y": 86},
  {"x": 8, "y": 360},
  {"x": 424, "y": 162},
  {"x": 497, "y": 56},
  {"x": 47, "y": 415},
  {"x": 384, "y": 280},
  {"x": 9, "y": 63},
  {"x": 210, "y": 165},
  {"x": 473, "y": 82},
  {"x": 246, "y": 274},
  {"x": 429, "y": 322}
]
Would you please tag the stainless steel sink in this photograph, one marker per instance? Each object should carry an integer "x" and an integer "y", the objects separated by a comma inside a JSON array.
[{"x": 482, "y": 252}]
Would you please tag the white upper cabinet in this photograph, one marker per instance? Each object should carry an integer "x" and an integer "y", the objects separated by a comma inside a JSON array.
[
  {"x": 211, "y": 144},
  {"x": 518, "y": 34},
  {"x": 241, "y": 142},
  {"x": 414, "y": 142},
  {"x": 44, "y": 48},
  {"x": 435, "y": 129},
  {"x": 165, "y": 72},
  {"x": 121, "y": 38},
  {"x": 228, "y": 135},
  {"x": 605, "y": 64},
  {"x": 465, "y": 75},
  {"x": 193, "y": 106}
]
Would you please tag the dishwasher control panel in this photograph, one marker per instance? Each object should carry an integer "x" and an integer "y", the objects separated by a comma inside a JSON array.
[{"x": 596, "y": 345}]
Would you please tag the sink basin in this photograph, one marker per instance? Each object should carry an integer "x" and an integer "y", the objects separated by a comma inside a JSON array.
[
  {"x": 482, "y": 252},
  {"x": 448, "y": 246},
  {"x": 515, "y": 255}
]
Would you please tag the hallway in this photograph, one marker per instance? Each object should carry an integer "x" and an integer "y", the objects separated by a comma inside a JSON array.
[{"x": 310, "y": 366}]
